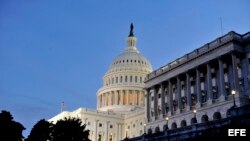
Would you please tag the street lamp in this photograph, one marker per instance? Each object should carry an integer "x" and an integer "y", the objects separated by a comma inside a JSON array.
[
  {"x": 144, "y": 128},
  {"x": 233, "y": 93},
  {"x": 167, "y": 122},
  {"x": 194, "y": 111}
]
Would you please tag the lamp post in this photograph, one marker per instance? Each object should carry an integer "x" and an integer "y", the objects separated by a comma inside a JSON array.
[
  {"x": 233, "y": 93},
  {"x": 144, "y": 128},
  {"x": 195, "y": 120},
  {"x": 167, "y": 122},
  {"x": 194, "y": 111}
]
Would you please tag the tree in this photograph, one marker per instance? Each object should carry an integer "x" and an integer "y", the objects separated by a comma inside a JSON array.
[
  {"x": 70, "y": 129},
  {"x": 41, "y": 131},
  {"x": 10, "y": 130}
]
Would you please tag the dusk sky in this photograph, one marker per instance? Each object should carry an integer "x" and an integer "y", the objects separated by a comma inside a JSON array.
[{"x": 59, "y": 50}]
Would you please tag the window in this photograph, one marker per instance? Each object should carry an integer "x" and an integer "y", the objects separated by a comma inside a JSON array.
[
  {"x": 152, "y": 98},
  {"x": 111, "y": 126},
  {"x": 140, "y": 79},
  {"x": 88, "y": 123},
  {"x": 126, "y": 78},
  {"x": 131, "y": 78},
  {"x": 113, "y": 80},
  {"x": 100, "y": 125},
  {"x": 116, "y": 79},
  {"x": 121, "y": 79},
  {"x": 128, "y": 127},
  {"x": 159, "y": 95},
  {"x": 135, "y": 79}
]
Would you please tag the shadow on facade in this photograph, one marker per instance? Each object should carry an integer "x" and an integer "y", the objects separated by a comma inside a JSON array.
[{"x": 237, "y": 118}]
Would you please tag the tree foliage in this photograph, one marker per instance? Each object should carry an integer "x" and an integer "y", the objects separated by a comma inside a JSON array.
[
  {"x": 10, "y": 130},
  {"x": 70, "y": 129},
  {"x": 41, "y": 131},
  {"x": 67, "y": 129}
]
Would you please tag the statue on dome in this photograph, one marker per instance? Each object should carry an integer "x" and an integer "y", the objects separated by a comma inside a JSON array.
[{"x": 131, "y": 33}]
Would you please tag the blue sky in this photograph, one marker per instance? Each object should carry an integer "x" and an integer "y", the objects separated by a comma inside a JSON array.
[{"x": 58, "y": 50}]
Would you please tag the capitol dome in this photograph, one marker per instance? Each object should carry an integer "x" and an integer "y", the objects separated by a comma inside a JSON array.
[{"x": 123, "y": 83}]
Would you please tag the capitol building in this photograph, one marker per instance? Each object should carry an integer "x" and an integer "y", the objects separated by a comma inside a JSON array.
[
  {"x": 120, "y": 109},
  {"x": 198, "y": 88}
]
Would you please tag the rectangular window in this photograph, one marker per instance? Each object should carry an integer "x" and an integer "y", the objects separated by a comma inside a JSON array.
[
  {"x": 131, "y": 78},
  {"x": 140, "y": 79},
  {"x": 116, "y": 79},
  {"x": 112, "y": 80},
  {"x": 126, "y": 78},
  {"x": 159, "y": 95},
  {"x": 121, "y": 79},
  {"x": 135, "y": 79}
]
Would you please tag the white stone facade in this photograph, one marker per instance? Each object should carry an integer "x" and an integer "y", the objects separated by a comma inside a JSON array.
[
  {"x": 197, "y": 87},
  {"x": 120, "y": 101}
]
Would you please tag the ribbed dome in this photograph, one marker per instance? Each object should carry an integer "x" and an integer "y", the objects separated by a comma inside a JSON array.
[{"x": 130, "y": 60}]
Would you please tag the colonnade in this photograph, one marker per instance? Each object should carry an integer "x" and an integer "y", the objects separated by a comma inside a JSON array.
[
  {"x": 201, "y": 86},
  {"x": 121, "y": 97}
]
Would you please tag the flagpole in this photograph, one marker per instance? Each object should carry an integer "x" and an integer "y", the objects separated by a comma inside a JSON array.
[{"x": 62, "y": 106}]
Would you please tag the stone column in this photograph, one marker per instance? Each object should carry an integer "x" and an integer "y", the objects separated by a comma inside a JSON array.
[
  {"x": 104, "y": 99},
  {"x": 147, "y": 110},
  {"x": 209, "y": 85},
  {"x": 198, "y": 88},
  {"x": 221, "y": 81},
  {"x": 143, "y": 97},
  {"x": 121, "y": 96},
  {"x": 155, "y": 102},
  {"x": 170, "y": 98},
  {"x": 96, "y": 125},
  {"x": 107, "y": 133},
  {"x": 127, "y": 93},
  {"x": 117, "y": 131},
  {"x": 179, "y": 95},
  {"x": 162, "y": 99},
  {"x": 245, "y": 72},
  {"x": 235, "y": 74},
  {"x": 120, "y": 132},
  {"x": 188, "y": 91},
  {"x": 134, "y": 93},
  {"x": 98, "y": 102},
  {"x": 117, "y": 97}
]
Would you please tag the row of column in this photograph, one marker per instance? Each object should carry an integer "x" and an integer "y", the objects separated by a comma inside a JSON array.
[
  {"x": 121, "y": 97},
  {"x": 166, "y": 89}
]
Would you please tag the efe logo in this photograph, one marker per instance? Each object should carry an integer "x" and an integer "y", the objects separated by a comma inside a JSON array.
[{"x": 236, "y": 132}]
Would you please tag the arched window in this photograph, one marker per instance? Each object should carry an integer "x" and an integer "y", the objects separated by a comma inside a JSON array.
[
  {"x": 204, "y": 118},
  {"x": 183, "y": 123},
  {"x": 217, "y": 116},
  {"x": 149, "y": 131},
  {"x": 157, "y": 129},
  {"x": 193, "y": 120},
  {"x": 174, "y": 126}
]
